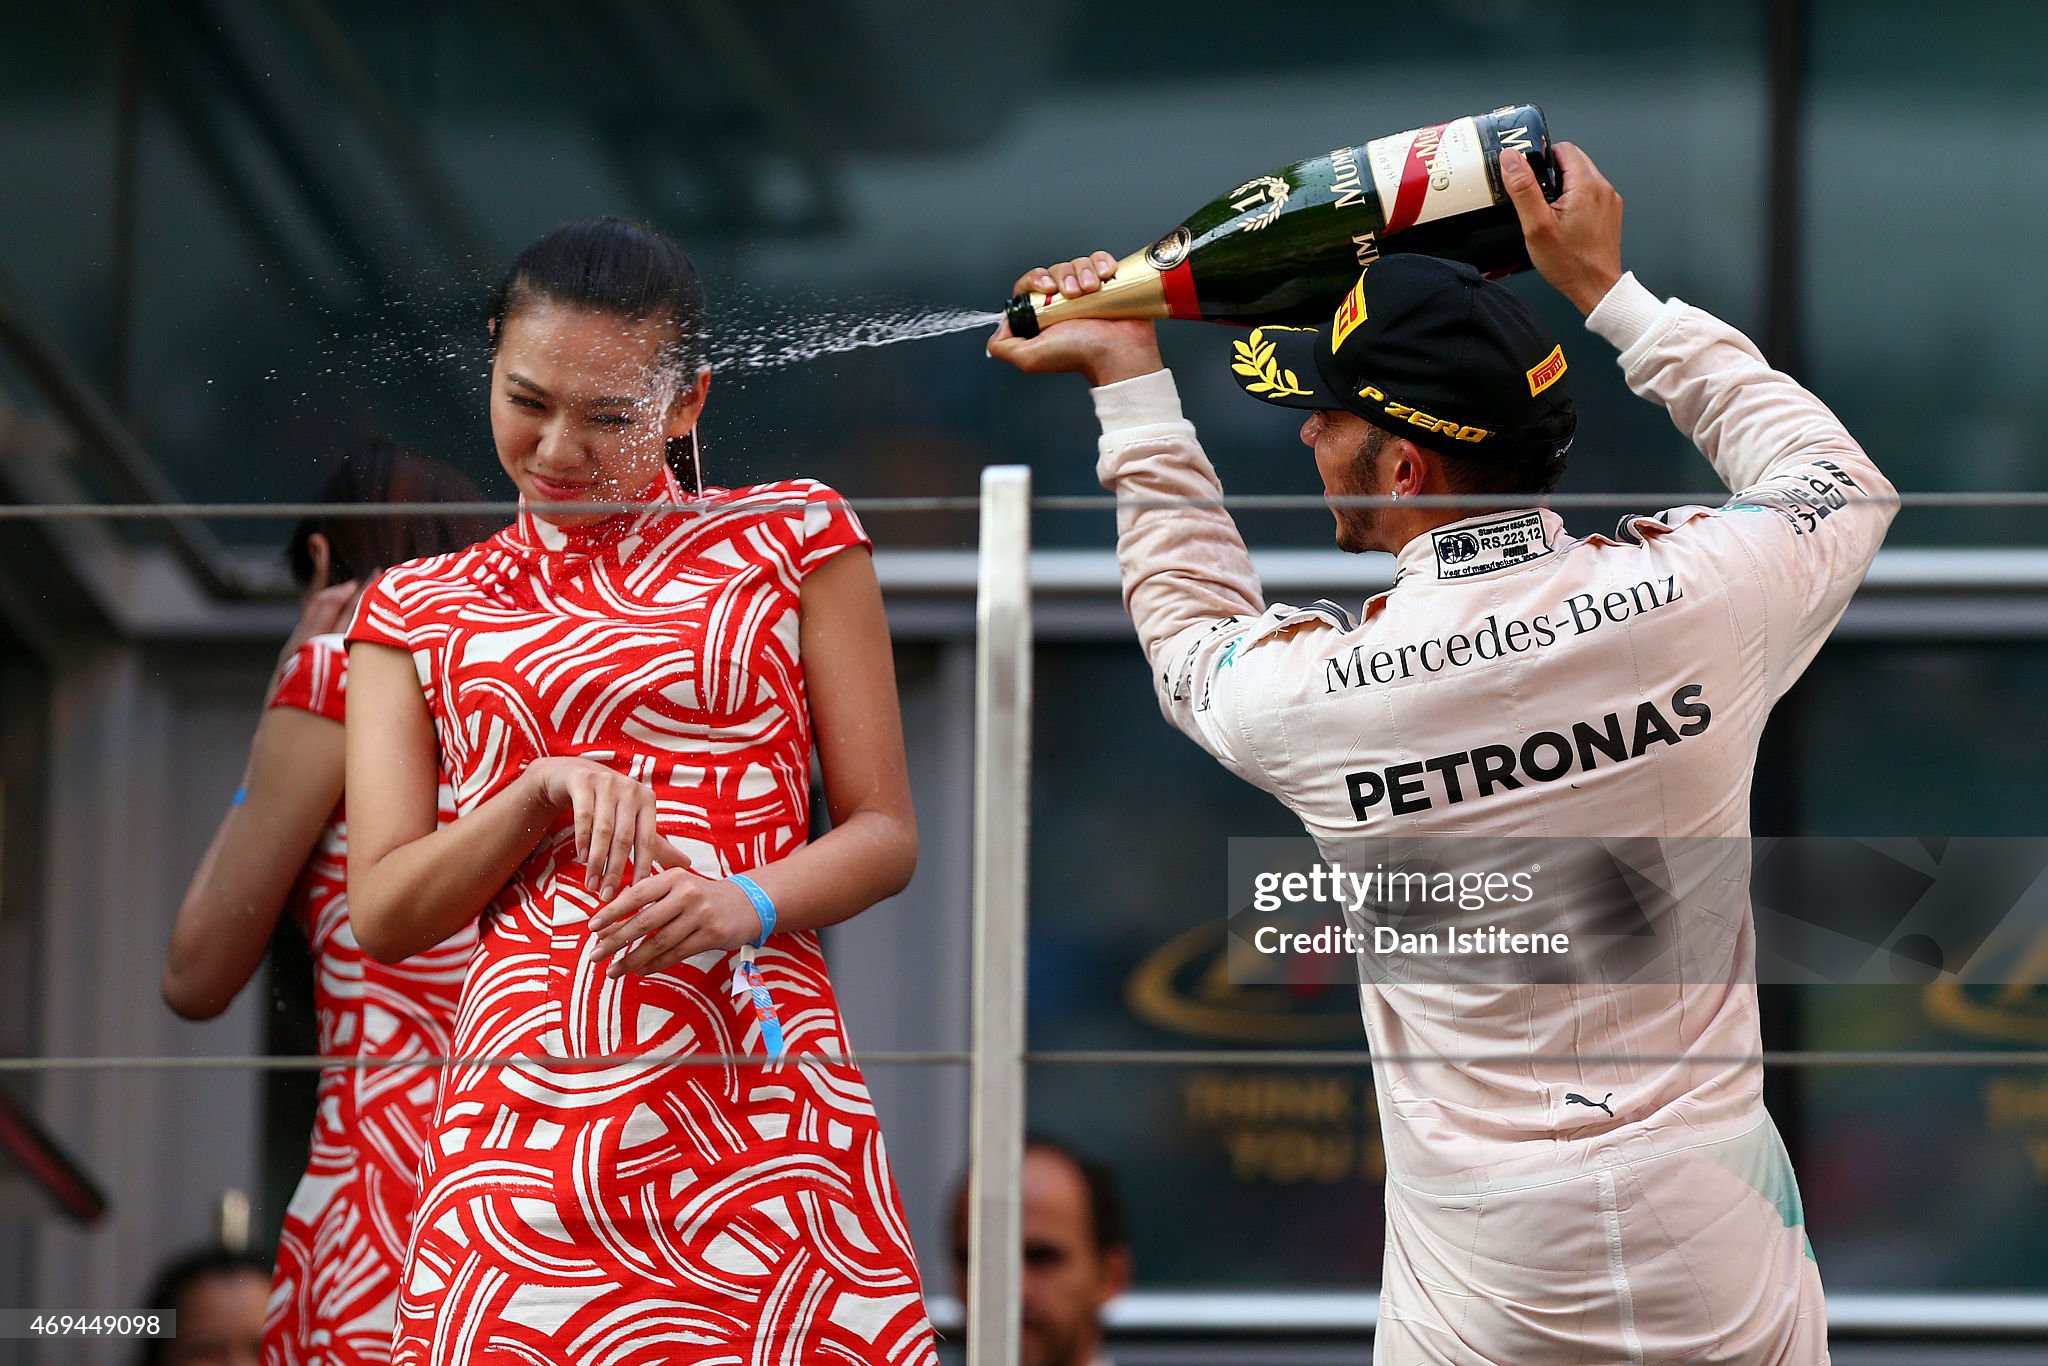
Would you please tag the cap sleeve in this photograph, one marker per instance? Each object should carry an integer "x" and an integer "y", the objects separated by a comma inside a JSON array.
[
  {"x": 830, "y": 526},
  {"x": 379, "y": 618},
  {"x": 315, "y": 679}
]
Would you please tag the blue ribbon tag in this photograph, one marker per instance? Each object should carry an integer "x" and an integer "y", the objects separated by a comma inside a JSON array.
[{"x": 746, "y": 981}]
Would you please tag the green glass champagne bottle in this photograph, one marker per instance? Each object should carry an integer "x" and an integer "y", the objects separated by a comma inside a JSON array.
[{"x": 1286, "y": 246}]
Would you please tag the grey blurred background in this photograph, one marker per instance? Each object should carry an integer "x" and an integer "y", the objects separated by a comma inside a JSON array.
[{"x": 236, "y": 235}]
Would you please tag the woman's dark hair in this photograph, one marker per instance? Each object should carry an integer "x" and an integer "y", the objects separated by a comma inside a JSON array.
[
  {"x": 178, "y": 1277},
  {"x": 382, "y": 471},
  {"x": 610, "y": 265}
]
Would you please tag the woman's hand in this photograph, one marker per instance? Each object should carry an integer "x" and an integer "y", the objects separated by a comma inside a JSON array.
[
  {"x": 617, "y": 839},
  {"x": 674, "y": 914},
  {"x": 868, "y": 854},
  {"x": 324, "y": 609}
]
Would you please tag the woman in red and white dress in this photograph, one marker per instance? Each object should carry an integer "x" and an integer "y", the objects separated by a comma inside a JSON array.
[
  {"x": 627, "y": 701},
  {"x": 284, "y": 845}
]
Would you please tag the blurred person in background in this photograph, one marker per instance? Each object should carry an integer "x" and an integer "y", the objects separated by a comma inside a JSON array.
[
  {"x": 627, "y": 697},
  {"x": 1580, "y": 1167},
  {"x": 283, "y": 846},
  {"x": 1077, "y": 1256},
  {"x": 218, "y": 1296}
]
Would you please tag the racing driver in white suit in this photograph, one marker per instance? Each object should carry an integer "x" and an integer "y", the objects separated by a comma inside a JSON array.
[{"x": 1575, "y": 1173}]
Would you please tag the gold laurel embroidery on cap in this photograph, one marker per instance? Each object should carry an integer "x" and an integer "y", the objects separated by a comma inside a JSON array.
[{"x": 1257, "y": 361}]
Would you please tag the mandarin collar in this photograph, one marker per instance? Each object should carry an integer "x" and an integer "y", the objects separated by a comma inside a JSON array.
[{"x": 534, "y": 533}]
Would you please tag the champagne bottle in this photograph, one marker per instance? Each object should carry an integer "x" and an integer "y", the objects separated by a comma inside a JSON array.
[{"x": 1285, "y": 247}]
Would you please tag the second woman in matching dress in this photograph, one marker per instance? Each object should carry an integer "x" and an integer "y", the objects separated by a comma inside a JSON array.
[{"x": 283, "y": 848}]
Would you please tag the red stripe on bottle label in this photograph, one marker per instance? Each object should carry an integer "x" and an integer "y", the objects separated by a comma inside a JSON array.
[
  {"x": 1179, "y": 284},
  {"x": 1414, "y": 179}
]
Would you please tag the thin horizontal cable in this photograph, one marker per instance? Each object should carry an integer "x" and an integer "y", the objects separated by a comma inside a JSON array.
[
  {"x": 1109, "y": 1057},
  {"x": 313, "y": 1062},
  {"x": 1358, "y": 1057},
  {"x": 1938, "y": 498},
  {"x": 39, "y": 512},
  {"x": 1268, "y": 502}
]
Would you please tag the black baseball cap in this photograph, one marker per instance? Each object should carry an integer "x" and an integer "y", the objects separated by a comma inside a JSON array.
[{"x": 1427, "y": 349}]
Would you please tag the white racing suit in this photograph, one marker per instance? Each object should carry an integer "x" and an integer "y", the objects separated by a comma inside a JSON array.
[{"x": 1635, "y": 1208}]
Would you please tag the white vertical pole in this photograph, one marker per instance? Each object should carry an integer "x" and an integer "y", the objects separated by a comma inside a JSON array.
[{"x": 1002, "y": 789}]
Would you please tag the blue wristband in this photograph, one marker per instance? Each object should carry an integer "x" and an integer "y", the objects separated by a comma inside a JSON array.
[
  {"x": 763, "y": 906},
  {"x": 241, "y": 795}
]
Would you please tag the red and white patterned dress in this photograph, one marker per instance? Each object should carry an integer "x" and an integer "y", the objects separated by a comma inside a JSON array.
[
  {"x": 334, "y": 1299},
  {"x": 643, "y": 1213}
]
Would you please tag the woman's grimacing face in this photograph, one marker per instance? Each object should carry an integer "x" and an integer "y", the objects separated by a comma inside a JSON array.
[{"x": 583, "y": 404}]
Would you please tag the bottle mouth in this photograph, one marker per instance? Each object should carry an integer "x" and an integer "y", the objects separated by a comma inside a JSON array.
[{"x": 1021, "y": 316}]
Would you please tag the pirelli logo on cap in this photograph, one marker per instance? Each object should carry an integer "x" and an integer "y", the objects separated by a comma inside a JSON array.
[
  {"x": 1349, "y": 315},
  {"x": 1546, "y": 371}
]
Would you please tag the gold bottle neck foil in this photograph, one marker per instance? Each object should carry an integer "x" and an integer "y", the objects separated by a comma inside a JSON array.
[{"x": 1135, "y": 291}]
